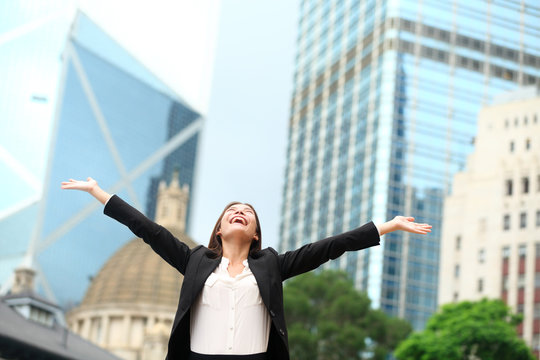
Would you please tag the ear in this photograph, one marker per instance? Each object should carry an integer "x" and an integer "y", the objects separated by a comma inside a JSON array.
[{"x": 256, "y": 237}]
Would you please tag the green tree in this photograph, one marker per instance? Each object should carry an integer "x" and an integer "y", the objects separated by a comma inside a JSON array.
[
  {"x": 483, "y": 330},
  {"x": 329, "y": 319}
]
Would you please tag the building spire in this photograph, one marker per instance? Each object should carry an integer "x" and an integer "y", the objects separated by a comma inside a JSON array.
[{"x": 171, "y": 204}]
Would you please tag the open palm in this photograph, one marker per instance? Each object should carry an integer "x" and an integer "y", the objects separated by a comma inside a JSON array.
[
  {"x": 82, "y": 185},
  {"x": 406, "y": 223}
]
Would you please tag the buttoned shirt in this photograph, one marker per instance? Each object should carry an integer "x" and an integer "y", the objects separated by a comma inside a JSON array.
[{"x": 229, "y": 316}]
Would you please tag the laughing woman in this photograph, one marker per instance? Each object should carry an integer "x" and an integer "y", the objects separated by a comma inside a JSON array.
[{"x": 231, "y": 302}]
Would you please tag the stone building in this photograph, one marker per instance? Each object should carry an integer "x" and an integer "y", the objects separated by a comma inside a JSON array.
[
  {"x": 491, "y": 231},
  {"x": 33, "y": 328},
  {"x": 130, "y": 305}
]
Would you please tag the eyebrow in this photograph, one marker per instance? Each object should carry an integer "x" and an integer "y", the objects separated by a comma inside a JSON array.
[{"x": 245, "y": 207}]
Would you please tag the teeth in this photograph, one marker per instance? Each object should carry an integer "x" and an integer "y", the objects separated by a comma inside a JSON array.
[{"x": 238, "y": 219}]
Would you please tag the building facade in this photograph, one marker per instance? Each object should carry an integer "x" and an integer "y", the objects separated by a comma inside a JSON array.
[
  {"x": 117, "y": 122},
  {"x": 383, "y": 113},
  {"x": 490, "y": 245},
  {"x": 33, "y": 328}
]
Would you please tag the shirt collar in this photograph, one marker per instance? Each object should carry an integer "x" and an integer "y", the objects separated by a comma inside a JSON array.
[{"x": 225, "y": 263}]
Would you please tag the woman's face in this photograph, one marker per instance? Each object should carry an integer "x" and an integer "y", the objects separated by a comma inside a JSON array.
[{"x": 238, "y": 221}]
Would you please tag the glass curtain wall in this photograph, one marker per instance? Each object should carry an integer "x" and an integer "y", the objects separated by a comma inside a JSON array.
[
  {"x": 386, "y": 95},
  {"x": 114, "y": 121}
]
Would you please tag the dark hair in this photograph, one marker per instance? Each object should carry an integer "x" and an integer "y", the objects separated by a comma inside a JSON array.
[{"x": 215, "y": 240}]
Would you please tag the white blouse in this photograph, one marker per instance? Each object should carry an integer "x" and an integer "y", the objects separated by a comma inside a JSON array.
[{"x": 229, "y": 317}]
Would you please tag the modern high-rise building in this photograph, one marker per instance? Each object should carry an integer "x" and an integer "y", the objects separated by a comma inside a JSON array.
[
  {"x": 117, "y": 122},
  {"x": 383, "y": 113},
  {"x": 31, "y": 41},
  {"x": 490, "y": 245}
]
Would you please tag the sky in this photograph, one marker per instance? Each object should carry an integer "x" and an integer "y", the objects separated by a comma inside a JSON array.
[
  {"x": 236, "y": 67},
  {"x": 232, "y": 60},
  {"x": 245, "y": 138}
]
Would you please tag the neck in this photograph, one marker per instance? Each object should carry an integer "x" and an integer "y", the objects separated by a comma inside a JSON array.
[{"x": 236, "y": 252}]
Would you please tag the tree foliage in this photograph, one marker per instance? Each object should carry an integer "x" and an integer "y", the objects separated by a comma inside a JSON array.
[
  {"x": 329, "y": 319},
  {"x": 483, "y": 330}
]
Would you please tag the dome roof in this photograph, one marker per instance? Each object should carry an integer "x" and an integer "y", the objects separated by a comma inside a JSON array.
[{"x": 136, "y": 275}]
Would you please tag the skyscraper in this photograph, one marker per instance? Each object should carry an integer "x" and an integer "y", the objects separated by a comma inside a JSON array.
[
  {"x": 383, "y": 113},
  {"x": 31, "y": 41},
  {"x": 115, "y": 121}
]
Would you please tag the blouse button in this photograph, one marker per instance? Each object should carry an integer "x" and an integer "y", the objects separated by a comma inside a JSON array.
[
  {"x": 272, "y": 314},
  {"x": 282, "y": 332}
]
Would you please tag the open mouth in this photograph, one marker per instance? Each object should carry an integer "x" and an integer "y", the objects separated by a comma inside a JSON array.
[{"x": 239, "y": 220}]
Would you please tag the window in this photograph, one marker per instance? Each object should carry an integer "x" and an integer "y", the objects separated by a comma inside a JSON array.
[
  {"x": 520, "y": 309},
  {"x": 537, "y": 218},
  {"x": 522, "y": 250},
  {"x": 525, "y": 185},
  {"x": 480, "y": 285},
  {"x": 505, "y": 283},
  {"x": 508, "y": 187},
  {"x": 481, "y": 256},
  {"x": 527, "y": 144},
  {"x": 537, "y": 280},
  {"x": 456, "y": 295},
  {"x": 506, "y": 252},
  {"x": 536, "y": 337},
  {"x": 511, "y": 146},
  {"x": 521, "y": 281},
  {"x": 456, "y": 270},
  {"x": 458, "y": 242},
  {"x": 538, "y": 183},
  {"x": 523, "y": 220},
  {"x": 506, "y": 222}
]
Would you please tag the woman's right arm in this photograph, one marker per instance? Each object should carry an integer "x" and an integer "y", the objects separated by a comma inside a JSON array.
[{"x": 175, "y": 252}]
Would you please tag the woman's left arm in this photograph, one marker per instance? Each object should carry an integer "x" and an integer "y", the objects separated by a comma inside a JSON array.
[{"x": 311, "y": 256}]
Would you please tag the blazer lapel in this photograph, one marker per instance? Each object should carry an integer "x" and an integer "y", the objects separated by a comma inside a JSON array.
[
  {"x": 258, "y": 269},
  {"x": 207, "y": 264}
]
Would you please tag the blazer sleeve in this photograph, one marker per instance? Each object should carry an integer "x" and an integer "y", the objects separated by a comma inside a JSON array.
[
  {"x": 311, "y": 256},
  {"x": 172, "y": 250}
]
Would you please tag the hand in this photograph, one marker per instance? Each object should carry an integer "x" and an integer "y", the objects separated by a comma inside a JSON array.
[
  {"x": 88, "y": 185},
  {"x": 406, "y": 223}
]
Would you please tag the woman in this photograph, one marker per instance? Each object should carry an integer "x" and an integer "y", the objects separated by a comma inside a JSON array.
[{"x": 231, "y": 302}]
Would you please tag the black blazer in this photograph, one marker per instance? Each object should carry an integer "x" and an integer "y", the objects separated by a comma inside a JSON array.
[{"x": 269, "y": 268}]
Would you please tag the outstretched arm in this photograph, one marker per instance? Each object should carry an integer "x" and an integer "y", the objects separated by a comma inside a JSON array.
[
  {"x": 175, "y": 252},
  {"x": 311, "y": 256},
  {"x": 90, "y": 186},
  {"x": 404, "y": 223}
]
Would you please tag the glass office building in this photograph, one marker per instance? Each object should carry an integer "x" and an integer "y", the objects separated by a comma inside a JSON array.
[
  {"x": 31, "y": 40},
  {"x": 115, "y": 121},
  {"x": 383, "y": 113}
]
